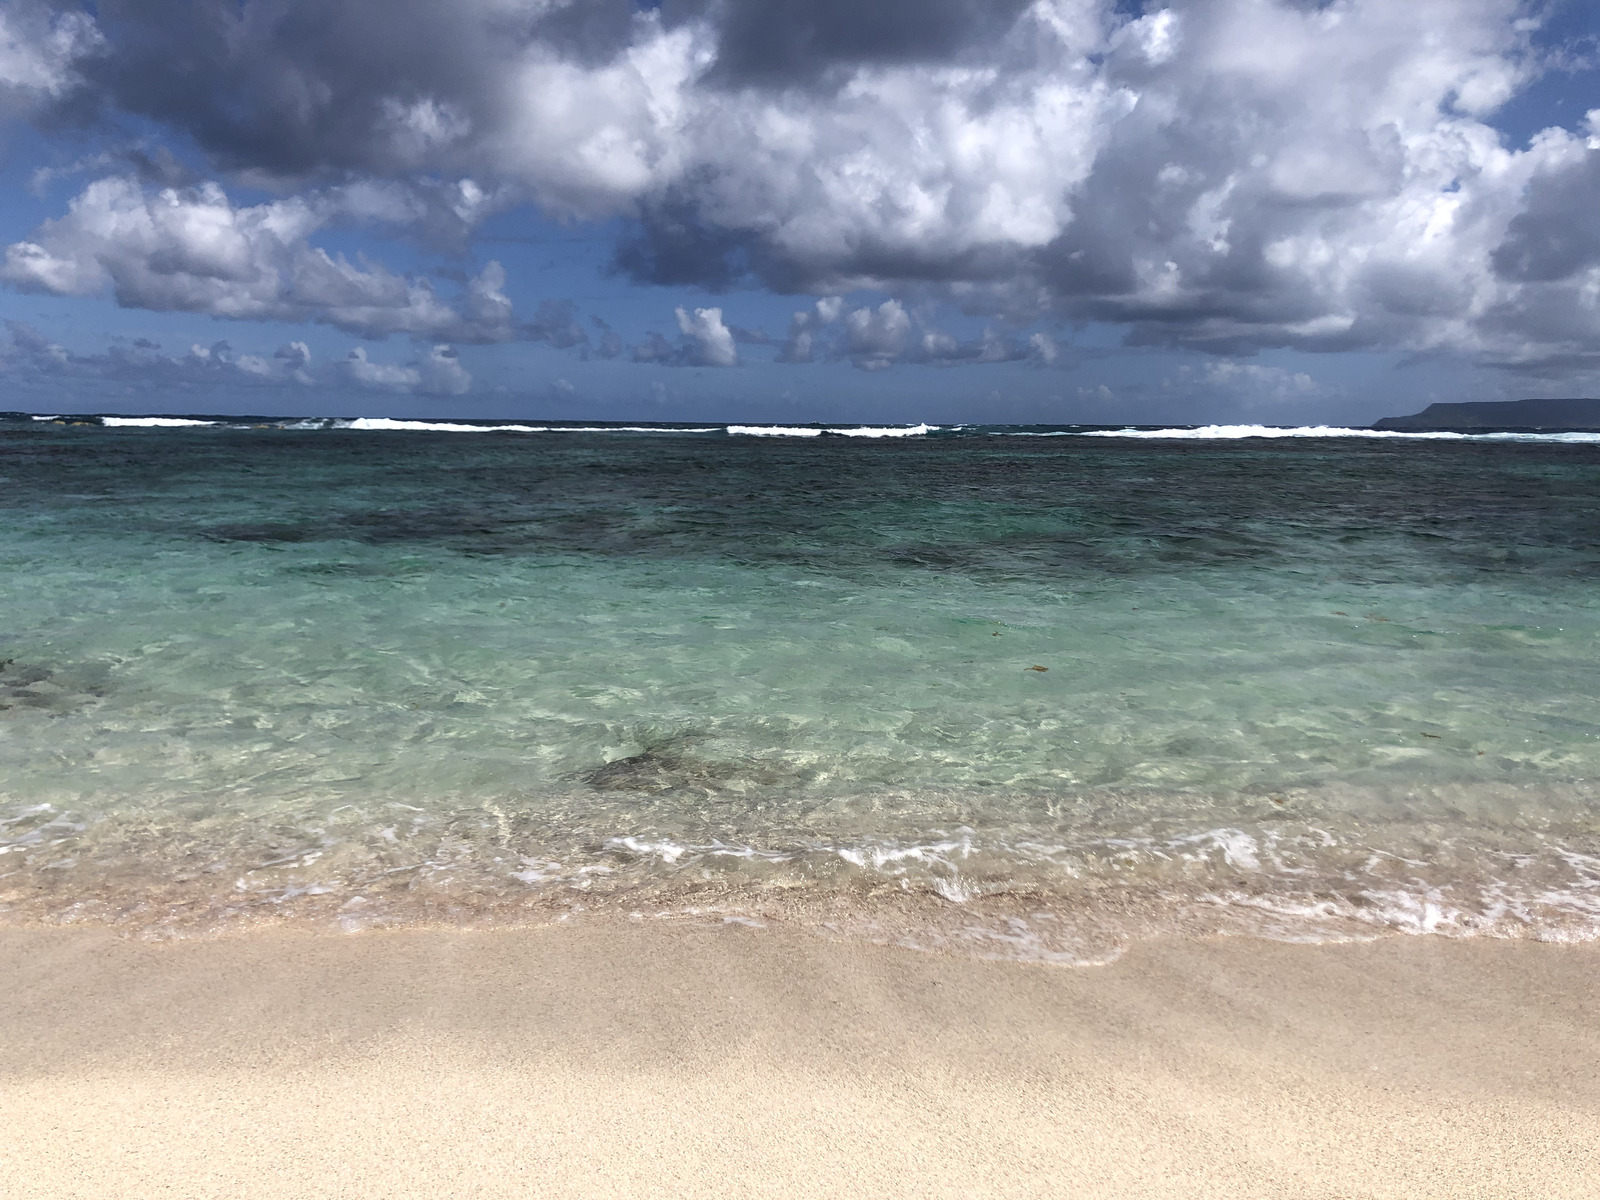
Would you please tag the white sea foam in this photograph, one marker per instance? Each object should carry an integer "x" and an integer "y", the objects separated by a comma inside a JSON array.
[
  {"x": 1236, "y": 432},
  {"x": 1173, "y": 433},
  {"x": 862, "y": 431},
  {"x": 886, "y": 431},
  {"x": 536, "y": 871},
  {"x": 391, "y": 423},
  {"x": 880, "y": 856},
  {"x": 1238, "y": 848},
  {"x": 953, "y": 890},
  {"x": 1576, "y": 436},
  {"x": 154, "y": 422},
  {"x": 1233, "y": 432},
  {"x": 666, "y": 850},
  {"x": 669, "y": 851},
  {"x": 1424, "y": 910}
]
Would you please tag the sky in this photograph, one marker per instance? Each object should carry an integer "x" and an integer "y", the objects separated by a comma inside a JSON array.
[{"x": 1266, "y": 211}]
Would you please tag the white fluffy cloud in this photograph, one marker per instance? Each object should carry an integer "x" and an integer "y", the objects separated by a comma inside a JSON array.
[
  {"x": 40, "y": 50},
  {"x": 710, "y": 340},
  {"x": 804, "y": 326},
  {"x": 438, "y": 373},
  {"x": 1224, "y": 174},
  {"x": 193, "y": 250},
  {"x": 875, "y": 338}
]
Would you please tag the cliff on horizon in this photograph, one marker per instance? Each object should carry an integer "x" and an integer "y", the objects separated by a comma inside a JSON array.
[{"x": 1501, "y": 414}]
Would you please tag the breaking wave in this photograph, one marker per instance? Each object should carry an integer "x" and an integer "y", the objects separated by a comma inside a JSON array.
[
  {"x": 1235, "y": 432},
  {"x": 383, "y": 424},
  {"x": 154, "y": 422},
  {"x": 809, "y": 431}
]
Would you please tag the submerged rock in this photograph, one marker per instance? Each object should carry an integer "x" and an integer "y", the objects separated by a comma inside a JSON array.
[
  {"x": 668, "y": 767},
  {"x": 30, "y": 685}
]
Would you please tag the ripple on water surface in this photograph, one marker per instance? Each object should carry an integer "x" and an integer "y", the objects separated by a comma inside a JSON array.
[{"x": 1026, "y": 695}]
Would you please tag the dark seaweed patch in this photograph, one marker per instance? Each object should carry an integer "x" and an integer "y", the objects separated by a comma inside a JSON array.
[
  {"x": 934, "y": 557},
  {"x": 656, "y": 770},
  {"x": 32, "y": 686},
  {"x": 466, "y": 532},
  {"x": 357, "y": 570},
  {"x": 1066, "y": 510},
  {"x": 386, "y": 526},
  {"x": 669, "y": 767},
  {"x": 262, "y": 531}
]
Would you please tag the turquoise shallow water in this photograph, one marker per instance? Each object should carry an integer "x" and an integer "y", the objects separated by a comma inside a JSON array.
[{"x": 1309, "y": 687}]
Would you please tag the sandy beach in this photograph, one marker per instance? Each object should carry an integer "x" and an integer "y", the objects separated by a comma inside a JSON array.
[{"x": 678, "y": 1060}]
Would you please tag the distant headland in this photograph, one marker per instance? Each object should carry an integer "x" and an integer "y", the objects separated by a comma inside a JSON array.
[{"x": 1502, "y": 414}]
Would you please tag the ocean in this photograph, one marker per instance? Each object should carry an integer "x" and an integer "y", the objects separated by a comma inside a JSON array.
[{"x": 1013, "y": 691}]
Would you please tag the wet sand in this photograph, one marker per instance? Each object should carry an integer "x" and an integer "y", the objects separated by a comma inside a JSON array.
[{"x": 673, "y": 1060}]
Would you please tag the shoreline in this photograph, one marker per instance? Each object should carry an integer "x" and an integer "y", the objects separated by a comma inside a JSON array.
[
  {"x": 1073, "y": 920},
  {"x": 1294, "y": 865},
  {"x": 613, "y": 1057}
]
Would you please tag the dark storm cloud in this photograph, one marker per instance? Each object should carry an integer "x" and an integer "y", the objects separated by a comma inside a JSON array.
[
  {"x": 298, "y": 86},
  {"x": 784, "y": 42},
  {"x": 1557, "y": 234},
  {"x": 672, "y": 244}
]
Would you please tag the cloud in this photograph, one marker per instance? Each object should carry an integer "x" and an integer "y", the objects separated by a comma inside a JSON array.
[
  {"x": 291, "y": 361},
  {"x": 40, "y": 51},
  {"x": 194, "y": 251},
  {"x": 657, "y": 349},
  {"x": 438, "y": 373},
  {"x": 710, "y": 341},
  {"x": 1227, "y": 175},
  {"x": 876, "y": 337},
  {"x": 32, "y": 347},
  {"x": 555, "y": 323},
  {"x": 1556, "y": 235},
  {"x": 991, "y": 346},
  {"x": 780, "y": 43},
  {"x": 1258, "y": 379},
  {"x": 804, "y": 326},
  {"x": 141, "y": 363},
  {"x": 610, "y": 343},
  {"x": 577, "y": 101},
  {"x": 705, "y": 341}
]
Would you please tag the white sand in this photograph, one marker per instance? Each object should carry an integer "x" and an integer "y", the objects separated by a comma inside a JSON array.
[{"x": 615, "y": 1060}]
